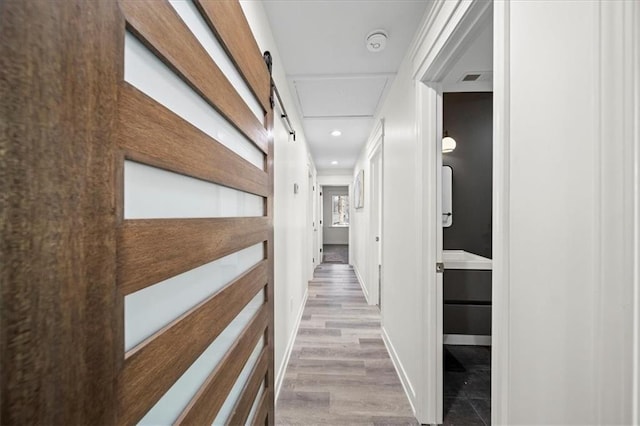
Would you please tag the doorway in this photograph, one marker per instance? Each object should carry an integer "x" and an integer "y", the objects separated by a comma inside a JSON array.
[
  {"x": 467, "y": 253},
  {"x": 335, "y": 224},
  {"x": 464, "y": 64}
]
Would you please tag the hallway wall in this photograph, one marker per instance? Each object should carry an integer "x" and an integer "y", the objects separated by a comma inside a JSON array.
[
  {"x": 401, "y": 290},
  {"x": 292, "y": 224},
  {"x": 570, "y": 284}
]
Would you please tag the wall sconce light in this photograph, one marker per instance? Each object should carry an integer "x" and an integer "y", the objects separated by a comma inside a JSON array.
[{"x": 448, "y": 143}]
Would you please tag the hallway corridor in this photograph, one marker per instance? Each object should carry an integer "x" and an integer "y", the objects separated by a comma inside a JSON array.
[{"x": 340, "y": 371}]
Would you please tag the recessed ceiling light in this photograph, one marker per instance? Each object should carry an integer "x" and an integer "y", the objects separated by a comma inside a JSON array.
[
  {"x": 336, "y": 133},
  {"x": 334, "y": 162}
]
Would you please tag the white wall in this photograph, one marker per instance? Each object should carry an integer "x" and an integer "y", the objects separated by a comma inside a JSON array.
[
  {"x": 401, "y": 290},
  {"x": 341, "y": 178},
  {"x": 292, "y": 224},
  {"x": 570, "y": 284}
]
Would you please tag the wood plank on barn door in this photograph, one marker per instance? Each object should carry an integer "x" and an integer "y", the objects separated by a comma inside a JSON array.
[
  {"x": 152, "y": 134},
  {"x": 152, "y": 250}
]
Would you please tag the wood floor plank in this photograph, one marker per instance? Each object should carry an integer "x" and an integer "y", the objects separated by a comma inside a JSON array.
[{"x": 340, "y": 371}]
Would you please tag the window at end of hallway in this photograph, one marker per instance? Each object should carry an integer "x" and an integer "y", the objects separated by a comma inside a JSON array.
[{"x": 340, "y": 210}]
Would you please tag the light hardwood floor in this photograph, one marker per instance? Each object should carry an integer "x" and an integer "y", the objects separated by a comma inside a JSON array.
[{"x": 340, "y": 372}]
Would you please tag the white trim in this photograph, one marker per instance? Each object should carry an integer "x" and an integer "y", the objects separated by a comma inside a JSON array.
[
  {"x": 292, "y": 339},
  {"x": 362, "y": 283},
  {"x": 635, "y": 71},
  {"x": 616, "y": 232},
  {"x": 402, "y": 374},
  {"x": 466, "y": 339},
  {"x": 427, "y": 25},
  {"x": 434, "y": 53},
  {"x": 375, "y": 141},
  {"x": 431, "y": 321},
  {"x": 500, "y": 328}
]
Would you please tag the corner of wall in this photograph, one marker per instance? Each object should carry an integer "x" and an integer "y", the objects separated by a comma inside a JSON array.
[
  {"x": 282, "y": 368},
  {"x": 362, "y": 283},
  {"x": 404, "y": 377}
]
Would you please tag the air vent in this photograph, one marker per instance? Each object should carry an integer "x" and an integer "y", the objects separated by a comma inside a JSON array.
[{"x": 471, "y": 77}]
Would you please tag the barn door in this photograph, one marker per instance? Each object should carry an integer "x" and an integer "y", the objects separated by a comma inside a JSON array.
[{"x": 138, "y": 286}]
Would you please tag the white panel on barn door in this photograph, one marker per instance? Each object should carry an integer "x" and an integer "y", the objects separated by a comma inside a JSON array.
[
  {"x": 150, "y": 75},
  {"x": 151, "y": 193}
]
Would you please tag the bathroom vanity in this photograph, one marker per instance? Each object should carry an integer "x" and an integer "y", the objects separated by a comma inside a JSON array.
[{"x": 467, "y": 298}]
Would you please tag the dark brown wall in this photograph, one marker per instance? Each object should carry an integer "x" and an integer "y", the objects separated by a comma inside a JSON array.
[{"x": 468, "y": 119}]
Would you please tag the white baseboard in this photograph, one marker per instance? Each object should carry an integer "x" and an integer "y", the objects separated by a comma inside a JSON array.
[
  {"x": 362, "y": 284},
  {"x": 466, "y": 339},
  {"x": 292, "y": 339},
  {"x": 402, "y": 374}
]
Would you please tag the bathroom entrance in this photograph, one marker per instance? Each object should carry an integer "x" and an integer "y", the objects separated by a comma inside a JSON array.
[{"x": 467, "y": 252}]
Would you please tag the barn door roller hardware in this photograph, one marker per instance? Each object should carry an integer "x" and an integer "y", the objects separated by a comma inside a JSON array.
[{"x": 269, "y": 62}]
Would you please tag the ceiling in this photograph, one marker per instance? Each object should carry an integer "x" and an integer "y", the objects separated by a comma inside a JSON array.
[
  {"x": 337, "y": 83},
  {"x": 477, "y": 59}
]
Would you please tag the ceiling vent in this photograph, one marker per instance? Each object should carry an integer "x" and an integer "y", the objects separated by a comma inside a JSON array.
[{"x": 476, "y": 76}]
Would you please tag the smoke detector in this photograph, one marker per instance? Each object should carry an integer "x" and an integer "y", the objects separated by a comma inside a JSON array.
[{"x": 376, "y": 40}]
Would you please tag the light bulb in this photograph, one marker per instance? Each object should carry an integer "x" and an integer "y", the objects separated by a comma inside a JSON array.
[{"x": 448, "y": 144}]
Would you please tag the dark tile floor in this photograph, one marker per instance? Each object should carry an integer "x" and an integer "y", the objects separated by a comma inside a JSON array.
[
  {"x": 467, "y": 385},
  {"x": 335, "y": 253}
]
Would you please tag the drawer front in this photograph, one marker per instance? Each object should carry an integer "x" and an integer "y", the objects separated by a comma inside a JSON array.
[
  {"x": 462, "y": 285},
  {"x": 467, "y": 319}
]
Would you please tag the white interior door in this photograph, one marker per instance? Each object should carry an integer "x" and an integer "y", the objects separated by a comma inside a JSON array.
[
  {"x": 320, "y": 217},
  {"x": 376, "y": 225},
  {"x": 439, "y": 260},
  {"x": 314, "y": 223}
]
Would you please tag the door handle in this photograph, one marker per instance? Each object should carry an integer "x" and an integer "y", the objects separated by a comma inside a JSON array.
[{"x": 377, "y": 239}]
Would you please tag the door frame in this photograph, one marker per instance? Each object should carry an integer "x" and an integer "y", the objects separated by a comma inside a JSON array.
[
  {"x": 376, "y": 148},
  {"x": 448, "y": 31}
]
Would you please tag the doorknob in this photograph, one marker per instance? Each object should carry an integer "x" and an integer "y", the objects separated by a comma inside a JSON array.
[{"x": 377, "y": 239}]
